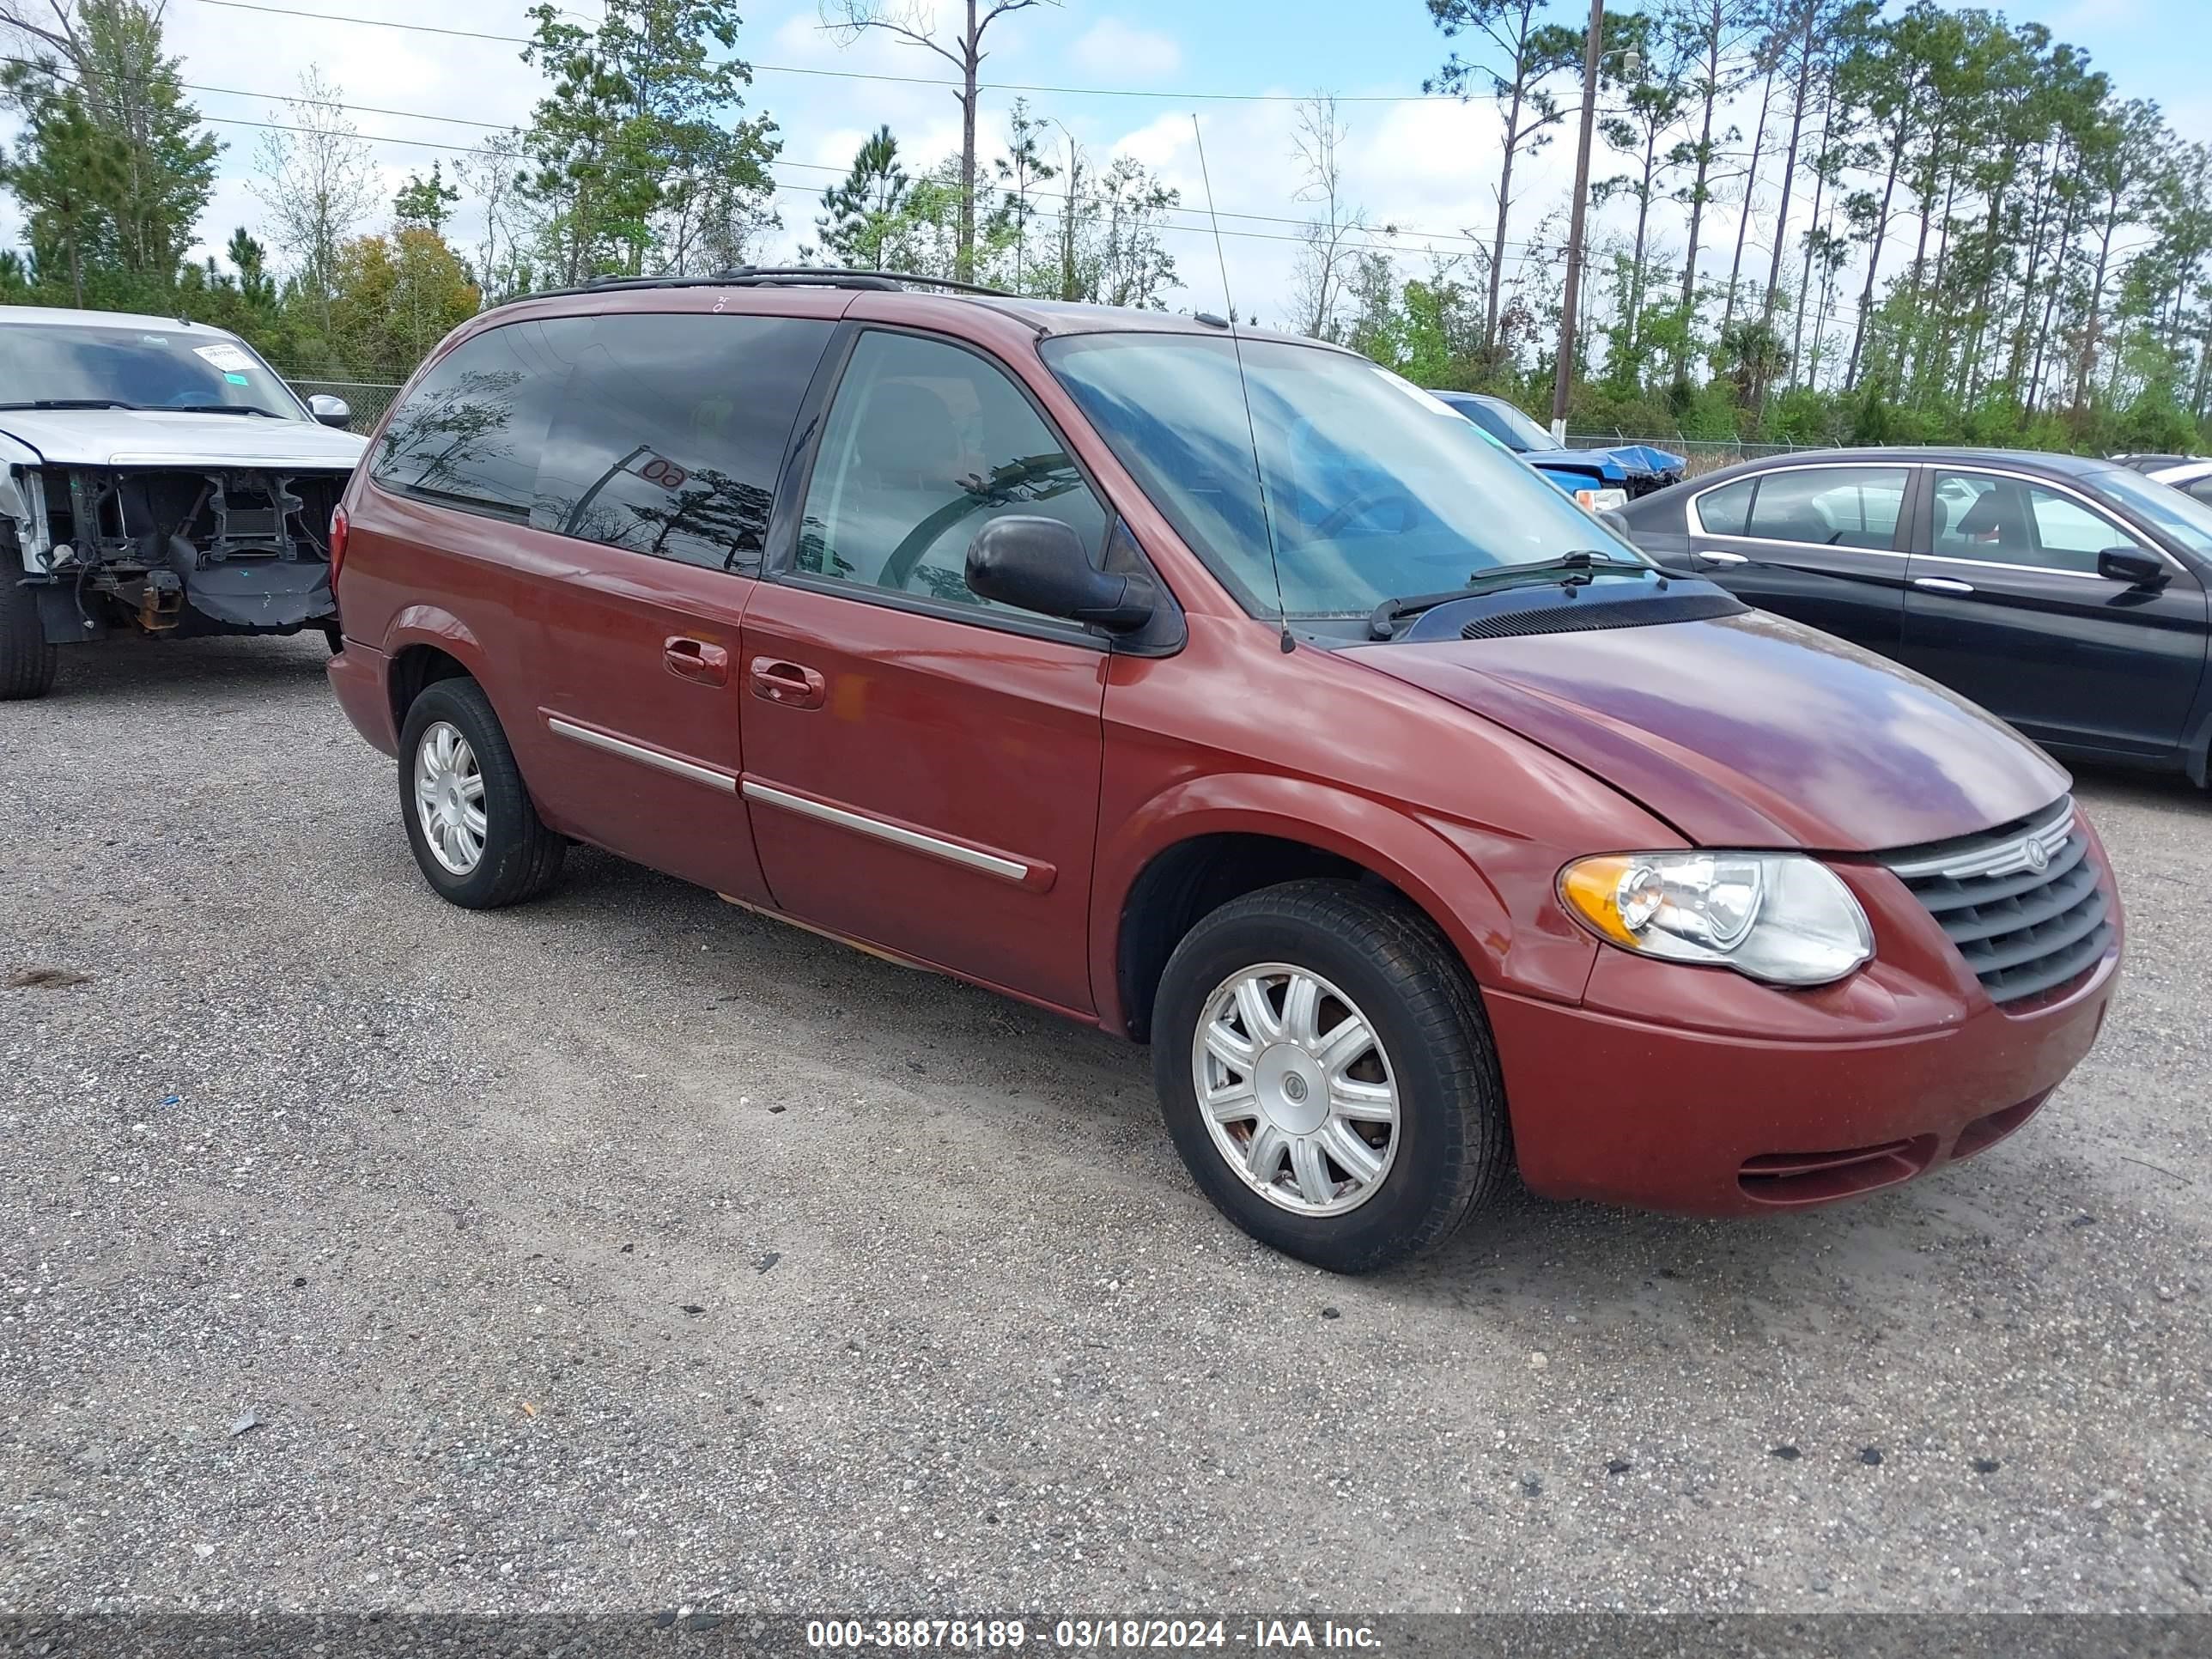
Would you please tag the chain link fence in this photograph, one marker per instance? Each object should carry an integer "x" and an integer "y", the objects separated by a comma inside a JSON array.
[
  {"x": 368, "y": 399},
  {"x": 1698, "y": 455}
]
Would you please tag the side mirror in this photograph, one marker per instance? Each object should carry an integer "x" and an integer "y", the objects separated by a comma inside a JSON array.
[
  {"x": 2133, "y": 566},
  {"x": 1617, "y": 521},
  {"x": 330, "y": 411},
  {"x": 1040, "y": 564}
]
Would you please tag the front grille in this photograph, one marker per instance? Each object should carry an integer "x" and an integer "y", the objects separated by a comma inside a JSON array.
[{"x": 2022, "y": 901}]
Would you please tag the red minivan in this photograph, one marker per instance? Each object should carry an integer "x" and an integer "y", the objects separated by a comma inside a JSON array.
[{"x": 1228, "y": 692}]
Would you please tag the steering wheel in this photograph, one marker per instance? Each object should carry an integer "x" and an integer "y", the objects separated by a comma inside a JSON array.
[
  {"x": 1374, "y": 496},
  {"x": 898, "y": 571}
]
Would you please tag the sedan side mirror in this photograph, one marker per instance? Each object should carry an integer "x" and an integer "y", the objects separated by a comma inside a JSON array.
[
  {"x": 1040, "y": 564},
  {"x": 330, "y": 411},
  {"x": 1617, "y": 521},
  {"x": 2133, "y": 566}
]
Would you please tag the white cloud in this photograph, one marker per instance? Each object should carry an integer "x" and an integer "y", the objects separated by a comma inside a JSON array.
[{"x": 1122, "y": 53}]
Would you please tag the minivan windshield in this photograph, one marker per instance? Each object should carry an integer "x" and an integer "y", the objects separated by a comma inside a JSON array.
[
  {"x": 81, "y": 366},
  {"x": 1376, "y": 490}
]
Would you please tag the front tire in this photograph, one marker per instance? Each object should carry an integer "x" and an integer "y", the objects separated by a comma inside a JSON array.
[
  {"x": 475, "y": 830},
  {"x": 27, "y": 660},
  {"x": 1327, "y": 1075}
]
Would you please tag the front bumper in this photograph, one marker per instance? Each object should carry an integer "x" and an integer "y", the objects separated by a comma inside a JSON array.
[
  {"x": 1696, "y": 1091},
  {"x": 1706, "y": 1123}
]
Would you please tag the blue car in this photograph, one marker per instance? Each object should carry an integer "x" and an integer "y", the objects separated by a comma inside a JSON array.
[{"x": 1631, "y": 469}]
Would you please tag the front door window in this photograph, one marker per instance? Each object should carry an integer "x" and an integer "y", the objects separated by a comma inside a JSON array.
[
  {"x": 926, "y": 444},
  {"x": 1994, "y": 519}
]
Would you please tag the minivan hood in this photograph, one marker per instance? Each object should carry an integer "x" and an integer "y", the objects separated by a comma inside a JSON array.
[
  {"x": 1748, "y": 731},
  {"x": 154, "y": 437}
]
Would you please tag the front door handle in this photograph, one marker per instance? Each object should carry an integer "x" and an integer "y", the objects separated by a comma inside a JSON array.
[
  {"x": 1943, "y": 585},
  {"x": 789, "y": 683},
  {"x": 695, "y": 661},
  {"x": 1707, "y": 556}
]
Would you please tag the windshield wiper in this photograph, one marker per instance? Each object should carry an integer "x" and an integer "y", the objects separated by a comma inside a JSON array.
[
  {"x": 74, "y": 403},
  {"x": 1568, "y": 570},
  {"x": 219, "y": 408}
]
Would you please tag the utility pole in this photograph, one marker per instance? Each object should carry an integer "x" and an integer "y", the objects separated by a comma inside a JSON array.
[{"x": 1563, "y": 382}]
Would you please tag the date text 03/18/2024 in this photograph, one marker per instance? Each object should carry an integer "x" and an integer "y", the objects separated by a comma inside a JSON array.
[{"x": 1124, "y": 1634}]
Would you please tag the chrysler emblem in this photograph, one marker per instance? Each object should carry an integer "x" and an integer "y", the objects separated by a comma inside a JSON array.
[{"x": 2037, "y": 860}]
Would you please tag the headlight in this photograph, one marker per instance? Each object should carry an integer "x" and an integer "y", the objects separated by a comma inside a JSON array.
[
  {"x": 1779, "y": 917},
  {"x": 1600, "y": 501}
]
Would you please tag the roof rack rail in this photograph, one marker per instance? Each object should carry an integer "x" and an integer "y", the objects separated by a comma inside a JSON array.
[
  {"x": 851, "y": 276},
  {"x": 772, "y": 276}
]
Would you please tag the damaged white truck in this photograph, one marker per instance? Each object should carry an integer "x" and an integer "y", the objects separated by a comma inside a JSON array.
[{"x": 157, "y": 477}]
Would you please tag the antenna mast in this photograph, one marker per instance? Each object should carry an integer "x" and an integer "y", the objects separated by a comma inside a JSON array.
[{"x": 1245, "y": 386}]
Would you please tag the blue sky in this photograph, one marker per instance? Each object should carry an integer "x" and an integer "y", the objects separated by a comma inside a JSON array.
[{"x": 1428, "y": 165}]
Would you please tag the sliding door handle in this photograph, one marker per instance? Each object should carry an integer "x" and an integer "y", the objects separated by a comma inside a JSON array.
[{"x": 790, "y": 683}]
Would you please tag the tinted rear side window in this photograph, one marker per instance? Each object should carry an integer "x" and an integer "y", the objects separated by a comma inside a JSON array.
[
  {"x": 1830, "y": 506},
  {"x": 470, "y": 433},
  {"x": 672, "y": 430},
  {"x": 1724, "y": 512}
]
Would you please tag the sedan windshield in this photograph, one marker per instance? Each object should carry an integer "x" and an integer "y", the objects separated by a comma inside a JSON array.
[
  {"x": 74, "y": 365},
  {"x": 1375, "y": 490},
  {"x": 1518, "y": 430},
  {"x": 2179, "y": 515}
]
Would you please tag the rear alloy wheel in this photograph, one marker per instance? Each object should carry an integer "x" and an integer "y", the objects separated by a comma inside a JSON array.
[
  {"x": 1327, "y": 1073},
  {"x": 475, "y": 830},
  {"x": 27, "y": 660}
]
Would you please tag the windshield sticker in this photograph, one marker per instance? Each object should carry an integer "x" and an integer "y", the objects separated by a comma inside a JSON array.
[
  {"x": 238, "y": 379},
  {"x": 225, "y": 356}
]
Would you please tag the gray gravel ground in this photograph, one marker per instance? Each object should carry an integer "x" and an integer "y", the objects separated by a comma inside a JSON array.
[{"x": 627, "y": 1251}]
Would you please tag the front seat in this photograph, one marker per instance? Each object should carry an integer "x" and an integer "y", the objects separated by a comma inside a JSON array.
[{"x": 1996, "y": 522}]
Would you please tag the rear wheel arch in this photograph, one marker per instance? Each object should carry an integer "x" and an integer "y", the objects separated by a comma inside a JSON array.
[
  {"x": 413, "y": 670},
  {"x": 425, "y": 644}
]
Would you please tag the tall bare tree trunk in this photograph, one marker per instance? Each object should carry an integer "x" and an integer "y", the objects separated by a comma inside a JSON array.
[
  {"x": 2046, "y": 171},
  {"x": 1750, "y": 190},
  {"x": 1698, "y": 188},
  {"x": 2051, "y": 302},
  {"x": 1874, "y": 254},
  {"x": 1789, "y": 164},
  {"x": 964, "y": 255},
  {"x": 1497, "y": 243}
]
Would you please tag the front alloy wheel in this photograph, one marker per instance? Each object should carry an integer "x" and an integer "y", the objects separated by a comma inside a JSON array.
[
  {"x": 1326, "y": 1070},
  {"x": 1297, "y": 1092}
]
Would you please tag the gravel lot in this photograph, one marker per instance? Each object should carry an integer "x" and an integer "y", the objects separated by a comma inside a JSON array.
[{"x": 628, "y": 1251}]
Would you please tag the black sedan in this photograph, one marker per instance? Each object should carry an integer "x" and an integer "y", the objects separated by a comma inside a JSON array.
[{"x": 2066, "y": 594}]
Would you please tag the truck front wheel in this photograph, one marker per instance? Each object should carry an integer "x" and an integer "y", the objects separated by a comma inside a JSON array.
[{"x": 27, "y": 660}]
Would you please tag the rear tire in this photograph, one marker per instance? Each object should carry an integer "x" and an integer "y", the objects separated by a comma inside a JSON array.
[
  {"x": 1358, "y": 958},
  {"x": 475, "y": 830},
  {"x": 27, "y": 660}
]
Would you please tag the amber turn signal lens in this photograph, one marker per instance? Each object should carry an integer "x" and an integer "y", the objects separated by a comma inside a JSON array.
[{"x": 1592, "y": 888}]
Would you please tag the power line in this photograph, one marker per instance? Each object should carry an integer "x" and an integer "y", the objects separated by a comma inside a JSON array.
[
  {"x": 1387, "y": 239},
  {"x": 863, "y": 74},
  {"x": 1390, "y": 232}
]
